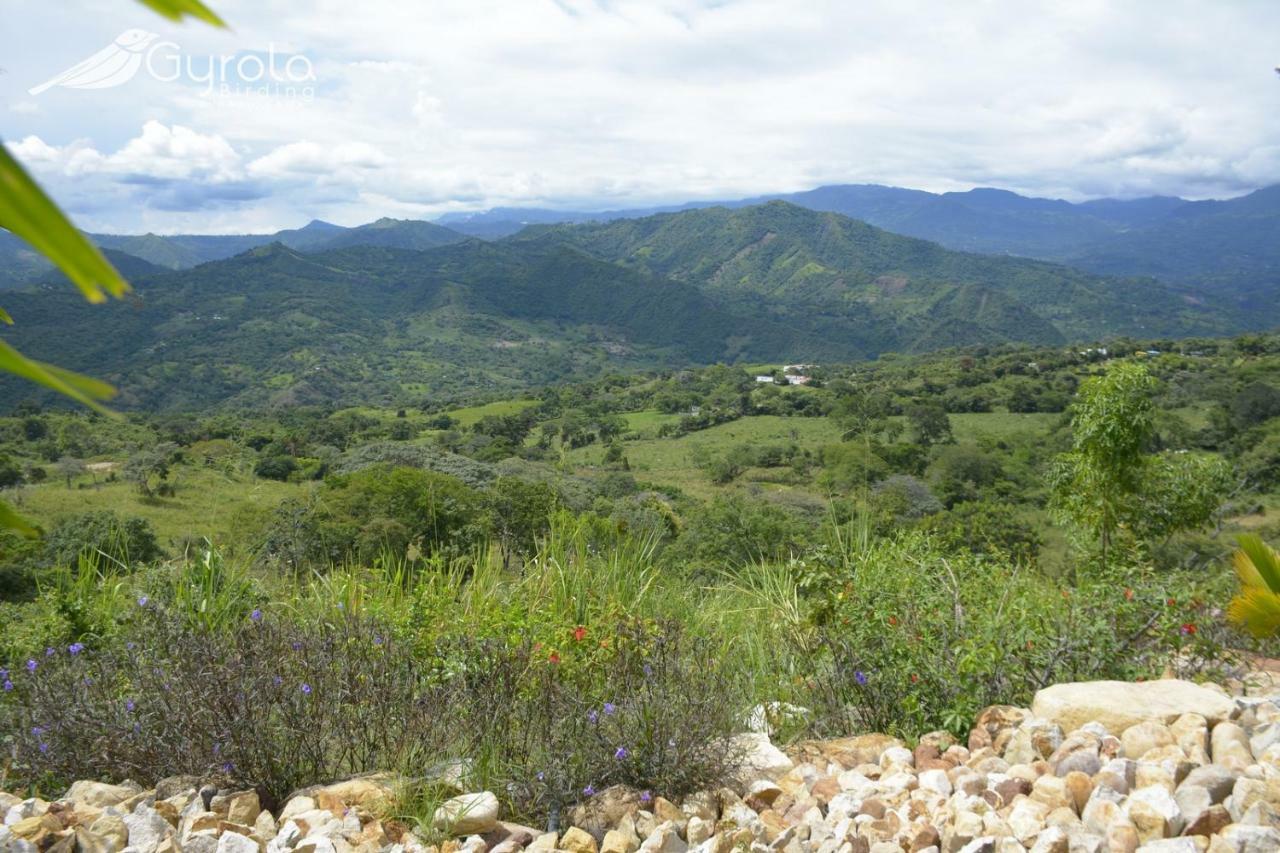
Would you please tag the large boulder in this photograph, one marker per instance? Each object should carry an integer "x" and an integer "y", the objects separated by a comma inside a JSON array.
[
  {"x": 470, "y": 814},
  {"x": 1117, "y": 705}
]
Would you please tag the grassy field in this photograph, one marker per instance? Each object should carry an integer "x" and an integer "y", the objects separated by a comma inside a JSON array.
[
  {"x": 207, "y": 503},
  {"x": 469, "y": 415},
  {"x": 670, "y": 461}
]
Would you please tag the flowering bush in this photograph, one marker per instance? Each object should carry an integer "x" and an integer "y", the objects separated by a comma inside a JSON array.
[
  {"x": 277, "y": 705},
  {"x": 912, "y": 638}
]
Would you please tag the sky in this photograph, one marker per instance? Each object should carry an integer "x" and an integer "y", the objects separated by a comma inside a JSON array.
[{"x": 350, "y": 111}]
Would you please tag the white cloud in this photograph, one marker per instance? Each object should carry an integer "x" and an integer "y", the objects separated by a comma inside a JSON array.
[{"x": 474, "y": 103}]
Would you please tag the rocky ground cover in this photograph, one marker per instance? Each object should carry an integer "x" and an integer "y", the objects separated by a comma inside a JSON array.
[{"x": 1160, "y": 767}]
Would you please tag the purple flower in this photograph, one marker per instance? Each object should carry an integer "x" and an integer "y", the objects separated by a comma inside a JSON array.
[
  {"x": 589, "y": 791},
  {"x": 297, "y": 647},
  {"x": 44, "y": 747},
  {"x": 861, "y": 678},
  {"x": 31, "y": 665},
  {"x": 4, "y": 674},
  {"x": 646, "y": 797},
  {"x": 541, "y": 775},
  {"x": 130, "y": 645},
  {"x": 36, "y": 731},
  {"x": 277, "y": 681},
  {"x": 256, "y": 615},
  {"x": 377, "y": 641},
  {"x": 609, "y": 708},
  {"x": 228, "y": 767},
  {"x": 142, "y": 601},
  {"x": 648, "y": 670},
  {"x": 49, "y": 652},
  {"x": 621, "y": 753},
  {"x": 129, "y": 705},
  {"x": 592, "y": 716},
  {"x": 306, "y": 688},
  {"x": 75, "y": 648},
  {"x": 8, "y": 685}
]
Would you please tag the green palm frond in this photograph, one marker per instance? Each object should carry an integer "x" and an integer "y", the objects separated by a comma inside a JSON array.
[
  {"x": 1259, "y": 562},
  {"x": 176, "y": 9},
  {"x": 1257, "y": 607}
]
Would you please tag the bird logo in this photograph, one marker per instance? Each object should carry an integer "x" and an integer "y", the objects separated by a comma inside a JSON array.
[{"x": 114, "y": 65}]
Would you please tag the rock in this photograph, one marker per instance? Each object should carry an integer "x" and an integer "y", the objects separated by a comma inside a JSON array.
[
  {"x": 234, "y": 842},
  {"x": 605, "y": 810},
  {"x": 1245, "y": 793},
  {"x": 1229, "y": 747},
  {"x": 147, "y": 829},
  {"x": 1208, "y": 822},
  {"x": 1052, "y": 840},
  {"x": 87, "y": 841},
  {"x": 1084, "y": 761},
  {"x": 1191, "y": 734},
  {"x": 1170, "y": 845},
  {"x": 760, "y": 796},
  {"x": 1238, "y": 838},
  {"x": 110, "y": 826},
  {"x": 758, "y": 758},
  {"x": 1026, "y": 818},
  {"x": 1139, "y": 739},
  {"x": 468, "y": 814},
  {"x": 698, "y": 830},
  {"x": 935, "y": 780},
  {"x": 243, "y": 807},
  {"x": 623, "y": 840},
  {"x": 296, "y": 806},
  {"x": 1118, "y": 705},
  {"x": 367, "y": 791},
  {"x": 1261, "y": 813},
  {"x": 99, "y": 794},
  {"x": 1079, "y": 789},
  {"x": 578, "y": 841},
  {"x": 264, "y": 826},
  {"x": 1193, "y": 801},
  {"x": 1154, "y": 813},
  {"x": 547, "y": 841},
  {"x": 664, "y": 839},
  {"x": 1215, "y": 779}
]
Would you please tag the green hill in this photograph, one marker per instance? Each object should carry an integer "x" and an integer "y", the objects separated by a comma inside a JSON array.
[{"x": 813, "y": 262}]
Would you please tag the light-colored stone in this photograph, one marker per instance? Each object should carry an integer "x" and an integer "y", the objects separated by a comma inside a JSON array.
[
  {"x": 1118, "y": 705},
  {"x": 99, "y": 794},
  {"x": 297, "y": 806},
  {"x": 1238, "y": 838},
  {"x": 234, "y": 842},
  {"x": 578, "y": 841},
  {"x": 469, "y": 814},
  {"x": 617, "y": 841},
  {"x": 1229, "y": 747},
  {"x": 147, "y": 829},
  {"x": 1141, "y": 738},
  {"x": 1154, "y": 813},
  {"x": 758, "y": 758}
]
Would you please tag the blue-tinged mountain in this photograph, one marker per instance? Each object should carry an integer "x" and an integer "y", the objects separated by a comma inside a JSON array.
[{"x": 181, "y": 251}]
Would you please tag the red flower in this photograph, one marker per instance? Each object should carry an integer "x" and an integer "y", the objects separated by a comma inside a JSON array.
[
  {"x": 579, "y": 634},
  {"x": 554, "y": 657},
  {"x": 1171, "y": 602},
  {"x": 914, "y": 678},
  {"x": 893, "y": 620},
  {"x": 1128, "y": 595},
  {"x": 1189, "y": 628}
]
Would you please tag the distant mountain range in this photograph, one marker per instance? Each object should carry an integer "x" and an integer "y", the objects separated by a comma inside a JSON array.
[
  {"x": 19, "y": 266},
  {"x": 1230, "y": 249},
  {"x": 402, "y": 311}
]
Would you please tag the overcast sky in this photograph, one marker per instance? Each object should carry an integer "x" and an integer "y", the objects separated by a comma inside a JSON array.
[{"x": 411, "y": 109}]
